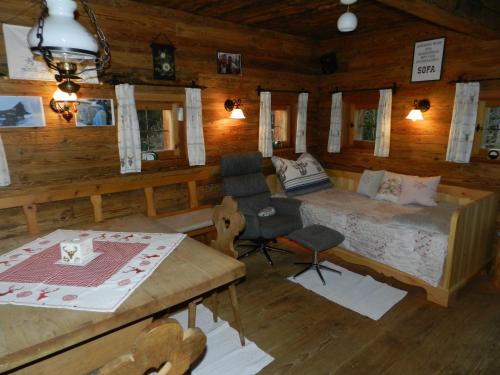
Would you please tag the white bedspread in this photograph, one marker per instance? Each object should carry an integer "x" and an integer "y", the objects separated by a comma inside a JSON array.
[{"x": 383, "y": 231}]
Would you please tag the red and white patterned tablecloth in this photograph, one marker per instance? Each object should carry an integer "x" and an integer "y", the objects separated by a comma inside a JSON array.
[{"x": 30, "y": 275}]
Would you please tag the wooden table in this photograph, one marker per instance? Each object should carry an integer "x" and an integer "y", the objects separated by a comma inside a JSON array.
[{"x": 50, "y": 341}]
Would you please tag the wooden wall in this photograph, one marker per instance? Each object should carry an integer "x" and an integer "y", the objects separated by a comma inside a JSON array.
[
  {"x": 61, "y": 153},
  {"x": 378, "y": 59}
]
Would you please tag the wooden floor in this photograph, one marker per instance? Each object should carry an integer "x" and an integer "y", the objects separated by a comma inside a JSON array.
[{"x": 307, "y": 334}]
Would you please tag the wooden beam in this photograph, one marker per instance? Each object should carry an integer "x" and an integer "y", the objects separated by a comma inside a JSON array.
[
  {"x": 31, "y": 218},
  {"x": 96, "y": 201},
  {"x": 149, "y": 193},
  {"x": 470, "y": 17}
]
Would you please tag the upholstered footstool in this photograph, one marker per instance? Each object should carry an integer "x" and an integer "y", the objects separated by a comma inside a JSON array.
[{"x": 316, "y": 238}]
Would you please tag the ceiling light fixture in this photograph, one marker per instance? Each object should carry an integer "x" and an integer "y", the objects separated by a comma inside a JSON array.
[
  {"x": 348, "y": 21},
  {"x": 65, "y": 45}
]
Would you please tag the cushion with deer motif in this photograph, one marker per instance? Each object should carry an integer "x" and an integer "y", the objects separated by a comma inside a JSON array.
[{"x": 303, "y": 176}]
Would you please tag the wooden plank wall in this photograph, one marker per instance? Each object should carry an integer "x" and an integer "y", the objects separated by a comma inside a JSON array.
[
  {"x": 378, "y": 59},
  {"x": 61, "y": 153}
]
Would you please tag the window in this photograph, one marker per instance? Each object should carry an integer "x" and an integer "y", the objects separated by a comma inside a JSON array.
[
  {"x": 491, "y": 129},
  {"x": 365, "y": 124},
  {"x": 159, "y": 130},
  {"x": 280, "y": 124}
]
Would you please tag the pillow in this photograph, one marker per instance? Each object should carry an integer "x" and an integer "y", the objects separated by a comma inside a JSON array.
[
  {"x": 419, "y": 190},
  {"x": 370, "y": 182},
  {"x": 390, "y": 188},
  {"x": 266, "y": 212},
  {"x": 302, "y": 176}
]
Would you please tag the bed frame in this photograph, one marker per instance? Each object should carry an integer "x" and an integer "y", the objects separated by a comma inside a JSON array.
[{"x": 470, "y": 241}]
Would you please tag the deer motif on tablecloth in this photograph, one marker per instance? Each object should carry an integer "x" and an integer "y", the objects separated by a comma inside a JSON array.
[
  {"x": 45, "y": 292},
  {"x": 11, "y": 290}
]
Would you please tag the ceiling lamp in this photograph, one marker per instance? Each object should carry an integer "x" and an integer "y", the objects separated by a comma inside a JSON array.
[
  {"x": 65, "y": 45},
  {"x": 233, "y": 106},
  {"x": 348, "y": 21},
  {"x": 419, "y": 106}
]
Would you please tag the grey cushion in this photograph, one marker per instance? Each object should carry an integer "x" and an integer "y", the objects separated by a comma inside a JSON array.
[
  {"x": 241, "y": 164},
  {"x": 242, "y": 186},
  {"x": 278, "y": 225},
  {"x": 253, "y": 203},
  {"x": 317, "y": 237}
]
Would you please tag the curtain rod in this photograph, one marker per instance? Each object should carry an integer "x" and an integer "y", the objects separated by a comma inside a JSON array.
[
  {"x": 393, "y": 87},
  {"x": 117, "y": 81},
  {"x": 461, "y": 79},
  {"x": 261, "y": 89}
]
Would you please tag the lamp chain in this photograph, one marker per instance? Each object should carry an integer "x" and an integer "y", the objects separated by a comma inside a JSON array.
[
  {"x": 46, "y": 54},
  {"x": 105, "y": 58}
]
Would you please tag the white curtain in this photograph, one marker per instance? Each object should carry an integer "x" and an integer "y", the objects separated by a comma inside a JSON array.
[
  {"x": 4, "y": 168},
  {"x": 383, "y": 132},
  {"x": 194, "y": 127},
  {"x": 301, "y": 130},
  {"x": 335, "y": 134},
  {"x": 129, "y": 139},
  {"x": 463, "y": 122},
  {"x": 265, "y": 130}
]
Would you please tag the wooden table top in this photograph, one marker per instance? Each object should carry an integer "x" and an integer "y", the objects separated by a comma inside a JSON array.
[{"x": 30, "y": 333}]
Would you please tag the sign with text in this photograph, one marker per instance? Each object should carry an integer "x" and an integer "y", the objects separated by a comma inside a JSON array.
[{"x": 428, "y": 60}]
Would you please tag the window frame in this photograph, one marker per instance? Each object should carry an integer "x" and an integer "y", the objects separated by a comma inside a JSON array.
[
  {"x": 351, "y": 103},
  {"x": 286, "y": 103},
  {"x": 480, "y": 153}
]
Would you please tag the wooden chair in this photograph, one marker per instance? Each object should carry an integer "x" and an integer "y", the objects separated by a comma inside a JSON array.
[
  {"x": 229, "y": 222},
  {"x": 163, "y": 346}
]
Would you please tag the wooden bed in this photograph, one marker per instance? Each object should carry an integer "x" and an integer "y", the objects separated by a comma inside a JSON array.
[{"x": 470, "y": 241}]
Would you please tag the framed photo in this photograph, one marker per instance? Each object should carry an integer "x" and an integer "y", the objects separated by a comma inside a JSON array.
[
  {"x": 163, "y": 61},
  {"x": 228, "y": 63},
  {"x": 428, "y": 60},
  {"x": 21, "y": 112},
  {"x": 95, "y": 112}
]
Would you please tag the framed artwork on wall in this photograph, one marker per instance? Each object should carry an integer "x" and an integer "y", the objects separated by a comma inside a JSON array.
[
  {"x": 95, "y": 112},
  {"x": 163, "y": 61},
  {"x": 21, "y": 112},
  {"x": 428, "y": 60},
  {"x": 228, "y": 63}
]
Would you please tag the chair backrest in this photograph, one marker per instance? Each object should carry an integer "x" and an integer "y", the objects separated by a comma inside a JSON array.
[
  {"x": 229, "y": 222},
  {"x": 163, "y": 346},
  {"x": 244, "y": 181}
]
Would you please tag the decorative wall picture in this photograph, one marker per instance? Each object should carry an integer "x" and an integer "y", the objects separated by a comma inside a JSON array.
[
  {"x": 20, "y": 60},
  {"x": 428, "y": 60},
  {"x": 163, "y": 61},
  {"x": 228, "y": 63},
  {"x": 21, "y": 112},
  {"x": 95, "y": 112}
]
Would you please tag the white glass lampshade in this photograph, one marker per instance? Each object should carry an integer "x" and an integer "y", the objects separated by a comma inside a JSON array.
[
  {"x": 61, "y": 96},
  {"x": 63, "y": 35},
  {"x": 237, "y": 113},
  {"x": 415, "y": 115},
  {"x": 347, "y": 22}
]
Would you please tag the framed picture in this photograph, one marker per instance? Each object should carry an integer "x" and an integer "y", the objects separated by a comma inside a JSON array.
[
  {"x": 163, "y": 61},
  {"x": 95, "y": 112},
  {"x": 21, "y": 112},
  {"x": 428, "y": 60},
  {"x": 20, "y": 60},
  {"x": 228, "y": 63}
]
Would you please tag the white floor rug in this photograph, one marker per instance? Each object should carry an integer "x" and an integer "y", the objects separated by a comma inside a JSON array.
[
  {"x": 224, "y": 354},
  {"x": 356, "y": 292}
]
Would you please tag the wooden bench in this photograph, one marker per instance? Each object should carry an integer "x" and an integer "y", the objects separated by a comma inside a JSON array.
[{"x": 28, "y": 199}]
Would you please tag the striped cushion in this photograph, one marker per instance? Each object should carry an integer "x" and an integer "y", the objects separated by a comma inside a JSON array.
[{"x": 302, "y": 176}]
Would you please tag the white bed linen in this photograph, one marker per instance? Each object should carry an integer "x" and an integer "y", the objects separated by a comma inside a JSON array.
[{"x": 372, "y": 228}]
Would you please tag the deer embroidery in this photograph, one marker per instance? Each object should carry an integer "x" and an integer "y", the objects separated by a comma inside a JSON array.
[
  {"x": 5, "y": 263},
  {"x": 43, "y": 294},
  {"x": 11, "y": 290},
  {"x": 70, "y": 253},
  {"x": 302, "y": 167},
  {"x": 133, "y": 269}
]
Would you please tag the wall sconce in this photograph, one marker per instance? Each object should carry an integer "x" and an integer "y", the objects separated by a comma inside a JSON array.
[
  {"x": 419, "y": 106},
  {"x": 233, "y": 106},
  {"x": 64, "y": 104}
]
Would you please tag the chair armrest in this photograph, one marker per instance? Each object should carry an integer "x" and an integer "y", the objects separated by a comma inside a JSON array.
[{"x": 287, "y": 206}]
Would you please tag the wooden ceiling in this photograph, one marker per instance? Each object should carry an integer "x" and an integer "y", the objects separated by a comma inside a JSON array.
[{"x": 318, "y": 18}]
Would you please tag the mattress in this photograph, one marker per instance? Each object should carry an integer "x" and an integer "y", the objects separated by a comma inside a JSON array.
[{"x": 412, "y": 239}]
